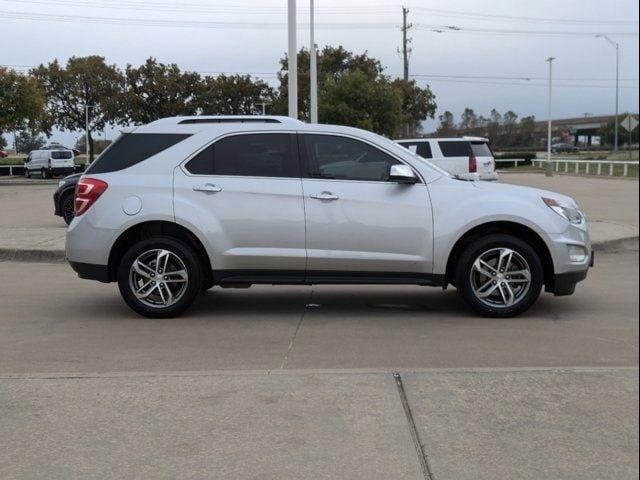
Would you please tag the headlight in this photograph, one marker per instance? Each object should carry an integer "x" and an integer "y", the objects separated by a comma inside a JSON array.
[
  {"x": 61, "y": 183},
  {"x": 569, "y": 212}
]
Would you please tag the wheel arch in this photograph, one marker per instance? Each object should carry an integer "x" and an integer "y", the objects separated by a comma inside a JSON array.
[
  {"x": 515, "y": 229},
  {"x": 153, "y": 228}
]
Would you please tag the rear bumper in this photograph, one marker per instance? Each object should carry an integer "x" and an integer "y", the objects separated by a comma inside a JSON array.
[{"x": 91, "y": 271}]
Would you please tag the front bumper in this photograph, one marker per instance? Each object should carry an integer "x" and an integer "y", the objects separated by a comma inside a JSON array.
[{"x": 567, "y": 271}]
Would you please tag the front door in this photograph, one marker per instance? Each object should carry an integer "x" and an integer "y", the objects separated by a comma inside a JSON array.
[
  {"x": 358, "y": 222},
  {"x": 244, "y": 193}
]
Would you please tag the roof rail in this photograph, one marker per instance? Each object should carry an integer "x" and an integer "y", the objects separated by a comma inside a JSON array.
[
  {"x": 216, "y": 119},
  {"x": 227, "y": 120}
]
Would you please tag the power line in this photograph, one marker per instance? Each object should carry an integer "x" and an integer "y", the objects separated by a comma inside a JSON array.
[{"x": 266, "y": 25}]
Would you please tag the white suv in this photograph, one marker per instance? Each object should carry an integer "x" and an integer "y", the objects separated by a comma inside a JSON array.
[
  {"x": 469, "y": 158},
  {"x": 177, "y": 206}
]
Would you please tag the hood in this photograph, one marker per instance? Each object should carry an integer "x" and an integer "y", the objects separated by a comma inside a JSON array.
[{"x": 519, "y": 190}]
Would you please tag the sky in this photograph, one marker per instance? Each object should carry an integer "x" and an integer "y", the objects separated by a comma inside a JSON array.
[{"x": 482, "y": 55}]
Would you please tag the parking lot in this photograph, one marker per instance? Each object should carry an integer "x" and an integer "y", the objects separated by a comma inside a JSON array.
[{"x": 298, "y": 382}]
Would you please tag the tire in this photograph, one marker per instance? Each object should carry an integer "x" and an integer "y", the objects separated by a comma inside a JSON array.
[
  {"x": 44, "y": 173},
  {"x": 27, "y": 173},
  {"x": 492, "y": 291},
  {"x": 158, "y": 303},
  {"x": 67, "y": 207}
]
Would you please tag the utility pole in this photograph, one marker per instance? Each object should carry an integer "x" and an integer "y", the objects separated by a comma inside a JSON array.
[
  {"x": 617, "y": 47},
  {"x": 86, "y": 134},
  {"x": 313, "y": 71},
  {"x": 264, "y": 106},
  {"x": 548, "y": 168},
  {"x": 292, "y": 60},
  {"x": 405, "y": 43}
]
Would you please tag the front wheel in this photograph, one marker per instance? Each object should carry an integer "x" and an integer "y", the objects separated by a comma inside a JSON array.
[
  {"x": 159, "y": 277},
  {"x": 499, "y": 276}
]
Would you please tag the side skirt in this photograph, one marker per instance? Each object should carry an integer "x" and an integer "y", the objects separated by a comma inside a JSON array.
[{"x": 329, "y": 277}]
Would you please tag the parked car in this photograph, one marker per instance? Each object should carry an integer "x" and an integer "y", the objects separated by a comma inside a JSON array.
[
  {"x": 63, "y": 197},
  {"x": 3, "y": 153},
  {"x": 182, "y": 204},
  {"x": 469, "y": 158},
  {"x": 49, "y": 162},
  {"x": 564, "y": 148}
]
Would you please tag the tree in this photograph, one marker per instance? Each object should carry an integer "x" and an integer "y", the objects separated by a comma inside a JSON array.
[
  {"x": 337, "y": 65},
  {"x": 447, "y": 126},
  {"x": 418, "y": 104},
  {"x": 469, "y": 121},
  {"x": 99, "y": 145},
  {"x": 85, "y": 81},
  {"x": 21, "y": 102},
  {"x": 27, "y": 141},
  {"x": 509, "y": 128},
  {"x": 526, "y": 132},
  {"x": 3, "y": 141},
  {"x": 493, "y": 127},
  {"x": 607, "y": 132},
  {"x": 233, "y": 95},
  {"x": 155, "y": 90},
  {"x": 356, "y": 100}
]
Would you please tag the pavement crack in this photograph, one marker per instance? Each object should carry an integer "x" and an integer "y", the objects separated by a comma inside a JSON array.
[
  {"x": 295, "y": 333},
  {"x": 415, "y": 436}
]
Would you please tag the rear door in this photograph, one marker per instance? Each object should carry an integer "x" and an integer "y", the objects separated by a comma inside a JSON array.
[
  {"x": 244, "y": 193},
  {"x": 358, "y": 221},
  {"x": 61, "y": 158}
]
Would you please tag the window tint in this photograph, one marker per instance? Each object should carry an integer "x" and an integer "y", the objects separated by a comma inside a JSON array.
[
  {"x": 455, "y": 149},
  {"x": 254, "y": 155},
  {"x": 132, "y": 148},
  {"x": 421, "y": 148},
  {"x": 64, "y": 154},
  {"x": 481, "y": 149},
  {"x": 346, "y": 159}
]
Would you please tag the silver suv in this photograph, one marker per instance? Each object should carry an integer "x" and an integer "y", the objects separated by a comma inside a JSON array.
[{"x": 177, "y": 206}]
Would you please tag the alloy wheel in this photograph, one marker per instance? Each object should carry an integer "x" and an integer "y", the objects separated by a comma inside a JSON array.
[
  {"x": 158, "y": 278},
  {"x": 500, "y": 277}
]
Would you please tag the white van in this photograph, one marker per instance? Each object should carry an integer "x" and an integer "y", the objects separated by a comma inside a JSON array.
[
  {"x": 468, "y": 158},
  {"x": 49, "y": 162}
]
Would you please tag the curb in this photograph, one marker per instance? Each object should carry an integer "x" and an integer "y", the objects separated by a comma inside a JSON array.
[{"x": 627, "y": 244}]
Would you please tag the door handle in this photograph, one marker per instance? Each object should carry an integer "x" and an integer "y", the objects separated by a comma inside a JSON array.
[
  {"x": 325, "y": 196},
  {"x": 208, "y": 188}
]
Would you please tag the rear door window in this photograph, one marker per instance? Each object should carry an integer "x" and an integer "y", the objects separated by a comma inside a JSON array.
[
  {"x": 61, "y": 155},
  {"x": 421, "y": 148},
  {"x": 250, "y": 155},
  {"x": 132, "y": 148},
  {"x": 450, "y": 148}
]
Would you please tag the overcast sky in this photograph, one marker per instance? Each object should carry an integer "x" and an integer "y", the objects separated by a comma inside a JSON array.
[{"x": 249, "y": 36}]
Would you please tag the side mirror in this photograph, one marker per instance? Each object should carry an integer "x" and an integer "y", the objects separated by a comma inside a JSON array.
[{"x": 402, "y": 174}]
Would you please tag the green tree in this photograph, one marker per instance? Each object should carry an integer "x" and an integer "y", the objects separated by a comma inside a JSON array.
[
  {"x": 357, "y": 101},
  {"x": 233, "y": 95},
  {"x": 418, "y": 104},
  {"x": 27, "y": 141},
  {"x": 335, "y": 65},
  {"x": 21, "y": 102},
  {"x": 493, "y": 128},
  {"x": 3, "y": 141},
  {"x": 468, "y": 121},
  {"x": 447, "y": 126},
  {"x": 526, "y": 131},
  {"x": 509, "y": 129},
  {"x": 83, "y": 81},
  {"x": 155, "y": 90}
]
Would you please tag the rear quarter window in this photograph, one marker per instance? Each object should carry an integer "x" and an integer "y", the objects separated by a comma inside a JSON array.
[
  {"x": 421, "y": 148},
  {"x": 451, "y": 148},
  {"x": 132, "y": 148}
]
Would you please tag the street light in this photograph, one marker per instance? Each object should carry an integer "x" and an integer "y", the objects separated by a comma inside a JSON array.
[
  {"x": 86, "y": 134},
  {"x": 548, "y": 168},
  {"x": 293, "y": 60},
  {"x": 617, "y": 47},
  {"x": 313, "y": 71}
]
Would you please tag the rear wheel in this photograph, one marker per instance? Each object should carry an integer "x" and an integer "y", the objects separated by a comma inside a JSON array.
[
  {"x": 159, "y": 277},
  {"x": 67, "y": 208},
  {"x": 27, "y": 173},
  {"x": 499, "y": 276}
]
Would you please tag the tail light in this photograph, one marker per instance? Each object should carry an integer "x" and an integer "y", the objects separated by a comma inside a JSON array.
[
  {"x": 88, "y": 190},
  {"x": 473, "y": 164}
]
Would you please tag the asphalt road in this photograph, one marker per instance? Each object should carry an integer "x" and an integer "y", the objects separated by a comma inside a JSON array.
[{"x": 51, "y": 321}]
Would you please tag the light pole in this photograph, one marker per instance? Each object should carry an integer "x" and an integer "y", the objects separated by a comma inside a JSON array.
[
  {"x": 548, "y": 168},
  {"x": 617, "y": 47},
  {"x": 86, "y": 134},
  {"x": 293, "y": 61},
  {"x": 313, "y": 72}
]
